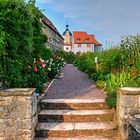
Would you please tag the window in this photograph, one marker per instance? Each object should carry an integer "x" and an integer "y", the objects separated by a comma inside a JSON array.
[
  {"x": 78, "y": 53},
  {"x": 79, "y": 45},
  {"x": 67, "y": 48},
  {"x": 88, "y": 45},
  {"x": 86, "y": 39},
  {"x": 78, "y": 39},
  {"x": 49, "y": 39}
]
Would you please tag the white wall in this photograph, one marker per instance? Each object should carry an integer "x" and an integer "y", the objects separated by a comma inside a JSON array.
[
  {"x": 67, "y": 48},
  {"x": 83, "y": 48}
]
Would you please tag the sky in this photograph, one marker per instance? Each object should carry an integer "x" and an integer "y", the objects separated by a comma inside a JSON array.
[{"x": 108, "y": 20}]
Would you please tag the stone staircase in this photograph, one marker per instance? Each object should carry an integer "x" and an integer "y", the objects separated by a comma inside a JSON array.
[{"x": 75, "y": 119}]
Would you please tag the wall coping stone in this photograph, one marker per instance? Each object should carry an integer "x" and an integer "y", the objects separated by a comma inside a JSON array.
[
  {"x": 17, "y": 92},
  {"x": 129, "y": 91}
]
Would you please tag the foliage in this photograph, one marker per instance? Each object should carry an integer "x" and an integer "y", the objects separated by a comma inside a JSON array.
[
  {"x": 16, "y": 41},
  {"x": 111, "y": 99},
  {"x": 85, "y": 62},
  {"x": 69, "y": 57},
  {"x": 117, "y": 67},
  {"x": 37, "y": 76},
  {"x": 24, "y": 59}
]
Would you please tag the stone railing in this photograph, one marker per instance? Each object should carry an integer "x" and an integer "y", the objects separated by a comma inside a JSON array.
[
  {"x": 128, "y": 104},
  {"x": 18, "y": 114}
]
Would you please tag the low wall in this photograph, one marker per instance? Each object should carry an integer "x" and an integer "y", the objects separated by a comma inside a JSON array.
[
  {"x": 128, "y": 104},
  {"x": 18, "y": 114}
]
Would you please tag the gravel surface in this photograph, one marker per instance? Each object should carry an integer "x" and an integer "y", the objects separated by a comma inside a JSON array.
[{"x": 74, "y": 84}]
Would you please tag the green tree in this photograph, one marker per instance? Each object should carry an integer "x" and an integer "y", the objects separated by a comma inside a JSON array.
[{"x": 21, "y": 40}]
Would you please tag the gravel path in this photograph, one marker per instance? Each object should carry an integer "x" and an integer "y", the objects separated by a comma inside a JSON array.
[{"x": 74, "y": 84}]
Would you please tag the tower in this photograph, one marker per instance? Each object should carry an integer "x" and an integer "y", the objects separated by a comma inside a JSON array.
[{"x": 67, "y": 35}]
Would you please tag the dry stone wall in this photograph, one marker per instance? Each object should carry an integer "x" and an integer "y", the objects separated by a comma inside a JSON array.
[{"x": 18, "y": 114}]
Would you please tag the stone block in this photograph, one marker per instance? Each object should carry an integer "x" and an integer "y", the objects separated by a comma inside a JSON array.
[
  {"x": 138, "y": 100},
  {"x": 24, "y": 133},
  {"x": 24, "y": 124},
  {"x": 34, "y": 120},
  {"x": 128, "y": 101},
  {"x": 18, "y": 109},
  {"x": 5, "y": 101}
]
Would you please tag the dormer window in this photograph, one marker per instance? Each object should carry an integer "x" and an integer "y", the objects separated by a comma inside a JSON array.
[
  {"x": 78, "y": 39},
  {"x": 86, "y": 39}
]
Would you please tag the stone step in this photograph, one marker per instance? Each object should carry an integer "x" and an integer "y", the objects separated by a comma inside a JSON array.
[
  {"x": 106, "y": 129},
  {"x": 73, "y": 104},
  {"x": 75, "y": 115},
  {"x": 78, "y": 138}
]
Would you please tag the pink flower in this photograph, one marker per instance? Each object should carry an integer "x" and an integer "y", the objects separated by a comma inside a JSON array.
[
  {"x": 35, "y": 69},
  {"x": 43, "y": 65}
]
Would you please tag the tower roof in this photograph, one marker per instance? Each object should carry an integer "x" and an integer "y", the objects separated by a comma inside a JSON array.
[{"x": 67, "y": 31}]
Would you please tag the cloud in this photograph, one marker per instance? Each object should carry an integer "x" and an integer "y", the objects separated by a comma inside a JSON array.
[{"x": 112, "y": 18}]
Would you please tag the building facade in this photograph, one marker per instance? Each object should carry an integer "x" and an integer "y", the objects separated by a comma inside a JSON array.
[
  {"x": 80, "y": 42},
  {"x": 55, "y": 40},
  {"x": 83, "y": 42}
]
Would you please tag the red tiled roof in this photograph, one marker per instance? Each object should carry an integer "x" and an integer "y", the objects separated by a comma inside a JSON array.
[{"x": 84, "y": 38}]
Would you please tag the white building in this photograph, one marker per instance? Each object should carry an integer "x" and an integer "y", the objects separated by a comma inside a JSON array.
[
  {"x": 83, "y": 42},
  {"x": 79, "y": 42}
]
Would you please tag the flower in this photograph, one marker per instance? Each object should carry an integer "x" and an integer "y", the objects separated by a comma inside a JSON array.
[
  {"x": 43, "y": 65},
  {"x": 35, "y": 69},
  {"x": 29, "y": 67},
  {"x": 134, "y": 71},
  {"x": 38, "y": 62},
  {"x": 34, "y": 60},
  {"x": 49, "y": 69}
]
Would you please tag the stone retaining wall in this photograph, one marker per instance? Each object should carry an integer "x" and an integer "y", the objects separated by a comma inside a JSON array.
[
  {"x": 128, "y": 104},
  {"x": 18, "y": 114}
]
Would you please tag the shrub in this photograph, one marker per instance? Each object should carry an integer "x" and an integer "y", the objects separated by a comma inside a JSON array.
[
  {"x": 22, "y": 41},
  {"x": 37, "y": 77},
  {"x": 117, "y": 67},
  {"x": 111, "y": 99}
]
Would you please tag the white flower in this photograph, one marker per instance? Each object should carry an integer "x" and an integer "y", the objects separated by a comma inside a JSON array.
[
  {"x": 43, "y": 65},
  {"x": 49, "y": 69},
  {"x": 42, "y": 60},
  {"x": 34, "y": 60}
]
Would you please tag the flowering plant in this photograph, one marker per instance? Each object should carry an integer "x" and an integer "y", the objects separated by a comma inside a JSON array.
[
  {"x": 135, "y": 73},
  {"x": 42, "y": 70},
  {"x": 37, "y": 75}
]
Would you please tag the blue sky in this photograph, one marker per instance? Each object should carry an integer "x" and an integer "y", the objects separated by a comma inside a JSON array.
[{"x": 108, "y": 20}]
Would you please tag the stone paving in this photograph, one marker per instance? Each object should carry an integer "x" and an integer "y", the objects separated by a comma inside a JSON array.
[{"x": 74, "y": 84}]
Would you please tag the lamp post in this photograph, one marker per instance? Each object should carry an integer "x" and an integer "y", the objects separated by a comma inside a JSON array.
[{"x": 96, "y": 62}]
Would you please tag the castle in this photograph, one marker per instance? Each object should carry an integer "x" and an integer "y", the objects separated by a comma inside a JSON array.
[{"x": 79, "y": 42}]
